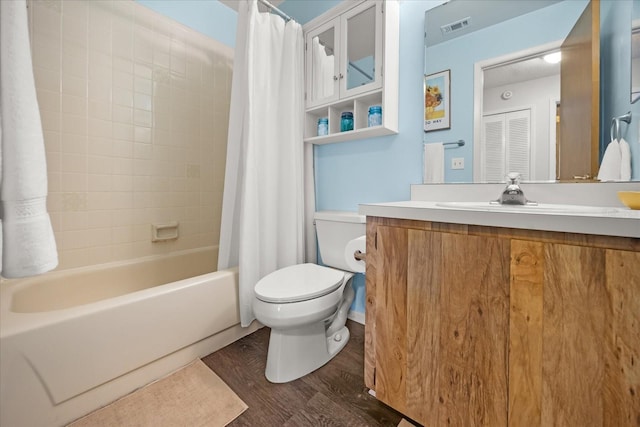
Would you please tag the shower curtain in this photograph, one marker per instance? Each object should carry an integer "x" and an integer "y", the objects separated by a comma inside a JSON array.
[{"x": 262, "y": 226}]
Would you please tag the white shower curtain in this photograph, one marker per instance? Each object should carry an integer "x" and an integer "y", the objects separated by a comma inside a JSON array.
[{"x": 262, "y": 226}]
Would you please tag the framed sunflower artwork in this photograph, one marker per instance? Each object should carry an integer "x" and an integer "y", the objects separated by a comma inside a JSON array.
[{"x": 437, "y": 101}]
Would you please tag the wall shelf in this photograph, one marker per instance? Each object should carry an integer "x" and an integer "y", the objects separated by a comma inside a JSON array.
[{"x": 370, "y": 132}]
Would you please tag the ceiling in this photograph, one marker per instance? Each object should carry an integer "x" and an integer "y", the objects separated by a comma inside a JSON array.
[
  {"x": 480, "y": 14},
  {"x": 521, "y": 71}
]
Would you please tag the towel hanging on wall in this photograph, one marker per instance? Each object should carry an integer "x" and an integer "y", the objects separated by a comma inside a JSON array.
[
  {"x": 610, "y": 166},
  {"x": 27, "y": 241},
  {"x": 433, "y": 165},
  {"x": 625, "y": 160}
]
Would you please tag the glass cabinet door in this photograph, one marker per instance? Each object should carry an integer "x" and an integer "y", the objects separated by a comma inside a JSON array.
[
  {"x": 322, "y": 63},
  {"x": 362, "y": 49}
]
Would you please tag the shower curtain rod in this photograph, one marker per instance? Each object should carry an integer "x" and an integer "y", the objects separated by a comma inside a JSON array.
[{"x": 272, "y": 8}]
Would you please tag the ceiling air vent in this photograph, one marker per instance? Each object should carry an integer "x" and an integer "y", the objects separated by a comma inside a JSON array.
[{"x": 455, "y": 26}]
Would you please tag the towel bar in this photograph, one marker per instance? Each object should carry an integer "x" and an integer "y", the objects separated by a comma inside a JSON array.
[
  {"x": 454, "y": 144},
  {"x": 615, "y": 122}
]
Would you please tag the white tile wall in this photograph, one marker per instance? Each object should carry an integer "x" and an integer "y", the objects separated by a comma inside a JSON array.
[{"x": 135, "y": 112}]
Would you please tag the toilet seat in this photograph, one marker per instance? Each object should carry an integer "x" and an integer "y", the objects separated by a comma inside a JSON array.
[{"x": 298, "y": 283}]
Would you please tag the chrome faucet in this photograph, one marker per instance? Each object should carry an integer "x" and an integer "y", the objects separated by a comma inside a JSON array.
[{"x": 513, "y": 194}]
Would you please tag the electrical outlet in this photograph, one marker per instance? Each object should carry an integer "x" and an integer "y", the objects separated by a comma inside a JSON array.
[{"x": 457, "y": 163}]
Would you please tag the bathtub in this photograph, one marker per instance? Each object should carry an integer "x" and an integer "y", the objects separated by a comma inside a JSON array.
[{"x": 75, "y": 340}]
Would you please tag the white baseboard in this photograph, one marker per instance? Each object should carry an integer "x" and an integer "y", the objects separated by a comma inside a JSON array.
[{"x": 356, "y": 316}]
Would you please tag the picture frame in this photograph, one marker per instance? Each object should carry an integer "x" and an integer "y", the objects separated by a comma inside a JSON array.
[{"x": 437, "y": 101}]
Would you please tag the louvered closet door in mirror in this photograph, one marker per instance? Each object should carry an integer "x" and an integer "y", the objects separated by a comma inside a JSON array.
[{"x": 506, "y": 145}]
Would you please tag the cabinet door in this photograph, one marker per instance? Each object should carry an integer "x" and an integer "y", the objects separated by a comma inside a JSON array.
[
  {"x": 361, "y": 54},
  {"x": 574, "y": 336},
  {"x": 441, "y": 325},
  {"x": 322, "y": 46}
]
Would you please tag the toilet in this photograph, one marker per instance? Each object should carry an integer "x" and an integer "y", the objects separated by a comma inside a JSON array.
[{"x": 306, "y": 305}]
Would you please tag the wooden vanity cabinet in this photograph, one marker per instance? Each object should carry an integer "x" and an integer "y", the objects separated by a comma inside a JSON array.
[{"x": 470, "y": 325}]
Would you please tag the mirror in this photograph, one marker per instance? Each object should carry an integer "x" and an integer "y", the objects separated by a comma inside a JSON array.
[
  {"x": 342, "y": 55},
  {"x": 458, "y": 36},
  {"x": 520, "y": 98},
  {"x": 361, "y": 48}
]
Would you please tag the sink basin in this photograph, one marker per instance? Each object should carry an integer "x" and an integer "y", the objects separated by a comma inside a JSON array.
[{"x": 539, "y": 208}]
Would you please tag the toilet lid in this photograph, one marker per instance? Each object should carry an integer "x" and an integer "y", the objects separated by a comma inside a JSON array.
[{"x": 298, "y": 283}]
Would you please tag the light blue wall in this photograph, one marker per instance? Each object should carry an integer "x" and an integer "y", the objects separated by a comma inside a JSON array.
[
  {"x": 304, "y": 11},
  {"x": 381, "y": 169},
  {"x": 615, "y": 72},
  {"x": 210, "y": 17}
]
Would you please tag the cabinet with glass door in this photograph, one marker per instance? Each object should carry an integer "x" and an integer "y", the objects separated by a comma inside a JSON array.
[{"x": 352, "y": 70}]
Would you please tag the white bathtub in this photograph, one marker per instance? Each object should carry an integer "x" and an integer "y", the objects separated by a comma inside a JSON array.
[{"x": 75, "y": 340}]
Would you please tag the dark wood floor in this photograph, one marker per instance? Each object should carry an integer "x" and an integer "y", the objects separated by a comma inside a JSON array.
[{"x": 334, "y": 395}]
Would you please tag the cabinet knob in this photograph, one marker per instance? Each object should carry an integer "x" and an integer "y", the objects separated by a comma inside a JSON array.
[
  {"x": 335, "y": 78},
  {"x": 341, "y": 76}
]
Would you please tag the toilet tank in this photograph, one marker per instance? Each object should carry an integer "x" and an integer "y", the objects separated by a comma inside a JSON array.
[{"x": 334, "y": 229}]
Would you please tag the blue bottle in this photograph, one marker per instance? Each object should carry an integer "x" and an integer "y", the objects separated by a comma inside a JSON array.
[
  {"x": 323, "y": 126},
  {"x": 375, "y": 115},
  {"x": 346, "y": 121}
]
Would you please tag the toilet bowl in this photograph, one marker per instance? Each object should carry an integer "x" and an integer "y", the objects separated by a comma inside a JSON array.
[{"x": 306, "y": 305}]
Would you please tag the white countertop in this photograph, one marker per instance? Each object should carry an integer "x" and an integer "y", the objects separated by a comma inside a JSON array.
[{"x": 615, "y": 221}]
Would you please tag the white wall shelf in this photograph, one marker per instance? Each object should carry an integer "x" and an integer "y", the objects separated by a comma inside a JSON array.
[{"x": 351, "y": 135}]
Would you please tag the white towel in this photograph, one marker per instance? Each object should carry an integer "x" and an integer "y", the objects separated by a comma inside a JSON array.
[
  {"x": 610, "y": 166},
  {"x": 625, "y": 160},
  {"x": 433, "y": 163},
  {"x": 27, "y": 236}
]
